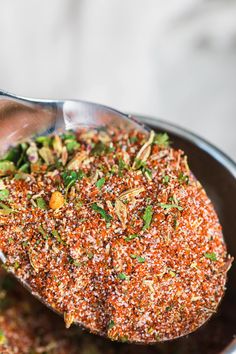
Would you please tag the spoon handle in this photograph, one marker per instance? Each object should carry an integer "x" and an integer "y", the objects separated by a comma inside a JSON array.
[{"x": 22, "y": 118}]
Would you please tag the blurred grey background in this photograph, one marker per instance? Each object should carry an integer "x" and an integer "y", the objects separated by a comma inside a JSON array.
[{"x": 174, "y": 59}]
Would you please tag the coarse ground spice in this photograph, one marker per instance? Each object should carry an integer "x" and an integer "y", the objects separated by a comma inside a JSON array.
[
  {"x": 27, "y": 327},
  {"x": 113, "y": 230}
]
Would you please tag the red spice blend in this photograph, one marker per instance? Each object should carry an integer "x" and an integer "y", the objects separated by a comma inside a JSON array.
[
  {"x": 113, "y": 230},
  {"x": 27, "y": 327}
]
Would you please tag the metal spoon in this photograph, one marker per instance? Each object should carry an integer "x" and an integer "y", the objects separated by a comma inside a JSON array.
[{"x": 22, "y": 118}]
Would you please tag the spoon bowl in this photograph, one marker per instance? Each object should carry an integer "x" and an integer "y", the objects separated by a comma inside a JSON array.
[
  {"x": 22, "y": 118},
  {"x": 32, "y": 117}
]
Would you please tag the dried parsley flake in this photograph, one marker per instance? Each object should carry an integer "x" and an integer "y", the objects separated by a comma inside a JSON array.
[
  {"x": 123, "y": 276},
  {"x": 147, "y": 217},
  {"x": 170, "y": 206},
  {"x": 100, "y": 182},
  {"x": 101, "y": 211},
  {"x": 4, "y": 194},
  {"x": 211, "y": 256},
  {"x": 131, "y": 237},
  {"x": 41, "y": 204}
]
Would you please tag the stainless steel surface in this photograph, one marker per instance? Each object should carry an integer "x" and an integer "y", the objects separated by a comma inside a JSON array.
[
  {"x": 22, "y": 117},
  {"x": 231, "y": 348}
]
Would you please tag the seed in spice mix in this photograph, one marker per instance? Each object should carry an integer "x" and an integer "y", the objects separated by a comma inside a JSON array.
[{"x": 112, "y": 230}]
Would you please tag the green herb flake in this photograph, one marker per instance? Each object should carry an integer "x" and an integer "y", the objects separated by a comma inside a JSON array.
[
  {"x": 99, "y": 149},
  {"x": 43, "y": 232},
  {"x": 68, "y": 136},
  {"x": 139, "y": 163},
  {"x": 170, "y": 206},
  {"x": 76, "y": 263},
  {"x": 19, "y": 176},
  {"x": 72, "y": 145},
  {"x": 176, "y": 224},
  {"x": 211, "y": 256},
  {"x": 90, "y": 255},
  {"x": 113, "y": 170},
  {"x": 16, "y": 265},
  {"x": 133, "y": 139},
  {"x": 44, "y": 140},
  {"x": 147, "y": 172},
  {"x": 111, "y": 324},
  {"x": 100, "y": 183},
  {"x": 162, "y": 139},
  {"x": 138, "y": 258},
  {"x": 5, "y": 210},
  {"x": 70, "y": 177},
  {"x": 3, "y": 338},
  {"x": 55, "y": 233},
  {"x": 101, "y": 211},
  {"x": 183, "y": 178},
  {"x": 6, "y": 168},
  {"x": 122, "y": 276},
  {"x": 71, "y": 260},
  {"x": 131, "y": 237},
  {"x": 150, "y": 330},
  {"x": 165, "y": 179},
  {"x": 121, "y": 167},
  {"x": 58, "y": 237},
  {"x": 147, "y": 217},
  {"x": 169, "y": 308},
  {"x": 80, "y": 175},
  {"x": 24, "y": 168},
  {"x": 41, "y": 204},
  {"x": 133, "y": 256},
  {"x": 21, "y": 161},
  {"x": 4, "y": 194},
  {"x": 111, "y": 148},
  {"x": 78, "y": 206},
  {"x": 13, "y": 154}
]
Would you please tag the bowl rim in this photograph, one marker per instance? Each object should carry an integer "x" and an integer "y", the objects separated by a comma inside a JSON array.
[{"x": 200, "y": 142}]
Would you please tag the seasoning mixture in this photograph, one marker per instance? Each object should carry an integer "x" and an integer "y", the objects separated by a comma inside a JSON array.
[
  {"x": 112, "y": 229},
  {"x": 27, "y": 327}
]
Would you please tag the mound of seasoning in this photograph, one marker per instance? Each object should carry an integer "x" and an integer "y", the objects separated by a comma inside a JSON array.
[{"x": 112, "y": 230}]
